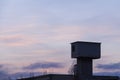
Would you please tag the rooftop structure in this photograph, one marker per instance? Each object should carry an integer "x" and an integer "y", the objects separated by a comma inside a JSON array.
[
  {"x": 85, "y": 53},
  {"x": 82, "y": 49},
  {"x": 67, "y": 77},
  {"x": 50, "y": 77}
]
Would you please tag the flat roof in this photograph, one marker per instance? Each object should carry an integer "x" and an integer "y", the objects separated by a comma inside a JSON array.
[
  {"x": 86, "y": 42},
  {"x": 42, "y": 76},
  {"x": 49, "y": 75}
]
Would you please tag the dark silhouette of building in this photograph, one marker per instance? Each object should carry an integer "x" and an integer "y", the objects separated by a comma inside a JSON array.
[
  {"x": 50, "y": 77},
  {"x": 85, "y": 53},
  {"x": 67, "y": 77}
]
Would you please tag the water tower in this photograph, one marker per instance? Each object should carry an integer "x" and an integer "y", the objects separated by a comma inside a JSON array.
[{"x": 85, "y": 52}]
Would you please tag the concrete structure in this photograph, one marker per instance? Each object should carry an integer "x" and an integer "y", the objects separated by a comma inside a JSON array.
[
  {"x": 50, "y": 77},
  {"x": 84, "y": 52},
  {"x": 67, "y": 77}
]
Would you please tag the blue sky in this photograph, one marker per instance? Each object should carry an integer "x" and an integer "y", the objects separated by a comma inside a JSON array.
[{"x": 36, "y": 31}]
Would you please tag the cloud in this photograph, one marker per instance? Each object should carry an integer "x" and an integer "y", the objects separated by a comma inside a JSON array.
[
  {"x": 49, "y": 31},
  {"x": 65, "y": 33},
  {"x": 1, "y": 66},
  {"x": 44, "y": 65},
  {"x": 19, "y": 75},
  {"x": 10, "y": 38},
  {"x": 112, "y": 69},
  {"x": 112, "y": 66},
  {"x": 3, "y": 73},
  {"x": 15, "y": 40}
]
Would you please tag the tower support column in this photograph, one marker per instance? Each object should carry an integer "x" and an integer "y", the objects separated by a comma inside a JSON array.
[{"x": 84, "y": 68}]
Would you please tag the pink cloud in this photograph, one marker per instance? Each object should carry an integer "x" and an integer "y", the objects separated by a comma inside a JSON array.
[{"x": 17, "y": 40}]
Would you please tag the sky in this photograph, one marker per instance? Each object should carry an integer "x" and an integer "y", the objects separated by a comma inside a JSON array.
[{"x": 35, "y": 35}]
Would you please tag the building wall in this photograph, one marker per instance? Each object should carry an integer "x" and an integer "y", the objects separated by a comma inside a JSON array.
[
  {"x": 106, "y": 77},
  {"x": 62, "y": 77},
  {"x": 43, "y": 78},
  {"x": 68, "y": 77},
  {"x": 50, "y": 77}
]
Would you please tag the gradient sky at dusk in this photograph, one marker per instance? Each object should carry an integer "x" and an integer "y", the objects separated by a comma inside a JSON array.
[{"x": 34, "y": 33}]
